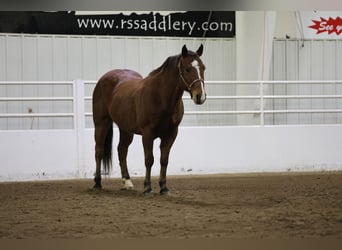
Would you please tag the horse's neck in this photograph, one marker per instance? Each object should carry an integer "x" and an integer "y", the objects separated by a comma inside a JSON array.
[{"x": 170, "y": 91}]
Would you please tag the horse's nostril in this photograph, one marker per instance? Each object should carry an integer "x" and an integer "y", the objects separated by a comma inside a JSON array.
[{"x": 198, "y": 99}]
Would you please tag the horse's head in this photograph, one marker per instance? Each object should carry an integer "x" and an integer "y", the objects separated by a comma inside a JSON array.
[{"x": 191, "y": 71}]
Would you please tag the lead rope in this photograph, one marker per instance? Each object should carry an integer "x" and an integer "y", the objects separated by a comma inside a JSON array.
[{"x": 205, "y": 31}]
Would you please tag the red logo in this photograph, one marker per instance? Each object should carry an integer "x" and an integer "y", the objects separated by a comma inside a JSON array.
[{"x": 330, "y": 25}]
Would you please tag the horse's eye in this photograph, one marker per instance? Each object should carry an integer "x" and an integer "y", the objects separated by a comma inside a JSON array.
[{"x": 188, "y": 69}]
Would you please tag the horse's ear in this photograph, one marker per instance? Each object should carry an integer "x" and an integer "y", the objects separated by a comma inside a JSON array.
[
  {"x": 200, "y": 50},
  {"x": 184, "y": 51}
]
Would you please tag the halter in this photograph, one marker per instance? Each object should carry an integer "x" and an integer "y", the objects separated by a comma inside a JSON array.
[{"x": 188, "y": 86}]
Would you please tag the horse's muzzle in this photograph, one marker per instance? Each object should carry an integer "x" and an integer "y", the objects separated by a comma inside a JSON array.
[
  {"x": 197, "y": 92},
  {"x": 199, "y": 99}
]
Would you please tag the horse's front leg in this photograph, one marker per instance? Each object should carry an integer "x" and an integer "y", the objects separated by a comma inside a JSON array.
[
  {"x": 125, "y": 141},
  {"x": 165, "y": 147},
  {"x": 149, "y": 159}
]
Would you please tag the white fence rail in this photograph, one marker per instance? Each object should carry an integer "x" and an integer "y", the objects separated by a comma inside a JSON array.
[
  {"x": 37, "y": 105},
  {"x": 247, "y": 103},
  {"x": 46, "y": 130}
]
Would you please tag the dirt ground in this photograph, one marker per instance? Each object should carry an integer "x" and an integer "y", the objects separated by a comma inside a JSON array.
[{"x": 282, "y": 205}]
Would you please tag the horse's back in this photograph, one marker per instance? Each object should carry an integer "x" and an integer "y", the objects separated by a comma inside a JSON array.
[
  {"x": 120, "y": 75},
  {"x": 113, "y": 78},
  {"x": 106, "y": 86}
]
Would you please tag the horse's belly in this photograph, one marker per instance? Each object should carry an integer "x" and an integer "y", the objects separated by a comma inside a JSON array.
[{"x": 123, "y": 113}]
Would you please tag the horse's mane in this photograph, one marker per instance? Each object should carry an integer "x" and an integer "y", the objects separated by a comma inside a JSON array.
[{"x": 170, "y": 62}]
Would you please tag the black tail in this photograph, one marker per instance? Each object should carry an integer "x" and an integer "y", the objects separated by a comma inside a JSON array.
[{"x": 107, "y": 157}]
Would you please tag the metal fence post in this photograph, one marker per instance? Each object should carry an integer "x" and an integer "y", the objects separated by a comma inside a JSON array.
[
  {"x": 79, "y": 123},
  {"x": 262, "y": 118}
]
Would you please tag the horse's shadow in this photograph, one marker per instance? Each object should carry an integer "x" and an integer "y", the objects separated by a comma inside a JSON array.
[
  {"x": 114, "y": 192},
  {"x": 174, "y": 197}
]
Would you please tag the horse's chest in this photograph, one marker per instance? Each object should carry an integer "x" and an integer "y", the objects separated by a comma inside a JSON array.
[
  {"x": 167, "y": 120},
  {"x": 163, "y": 126},
  {"x": 160, "y": 118}
]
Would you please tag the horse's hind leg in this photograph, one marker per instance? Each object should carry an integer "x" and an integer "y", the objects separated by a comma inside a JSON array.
[
  {"x": 125, "y": 140},
  {"x": 101, "y": 133}
]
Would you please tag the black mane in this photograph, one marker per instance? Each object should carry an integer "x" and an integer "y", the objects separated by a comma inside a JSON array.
[{"x": 170, "y": 62}]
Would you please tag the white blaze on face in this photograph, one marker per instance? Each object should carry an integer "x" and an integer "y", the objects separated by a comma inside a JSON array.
[{"x": 195, "y": 64}]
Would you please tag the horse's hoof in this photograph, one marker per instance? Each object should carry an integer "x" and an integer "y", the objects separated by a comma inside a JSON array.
[
  {"x": 98, "y": 187},
  {"x": 127, "y": 184},
  {"x": 97, "y": 181},
  {"x": 148, "y": 192},
  {"x": 165, "y": 191}
]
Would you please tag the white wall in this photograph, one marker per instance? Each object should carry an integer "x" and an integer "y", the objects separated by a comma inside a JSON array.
[
  {"x": 40, "y": 154},
  {"x": 254, "y": 42},
  {"x": 286, "y": 25},
  {"x": 47, "y": 57},
  {"x": 53, "y": 154},
  {"x": 307, "y": 60}
]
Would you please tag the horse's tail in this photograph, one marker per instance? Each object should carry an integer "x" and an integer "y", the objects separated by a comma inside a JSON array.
[{"x": 107, "y": 156}]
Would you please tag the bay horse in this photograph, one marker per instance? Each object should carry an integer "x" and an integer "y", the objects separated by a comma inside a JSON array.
[{"x": 151, "y": 107}]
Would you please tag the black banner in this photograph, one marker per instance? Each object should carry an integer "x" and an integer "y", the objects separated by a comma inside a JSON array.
[{"x": 180, "y": 24}]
